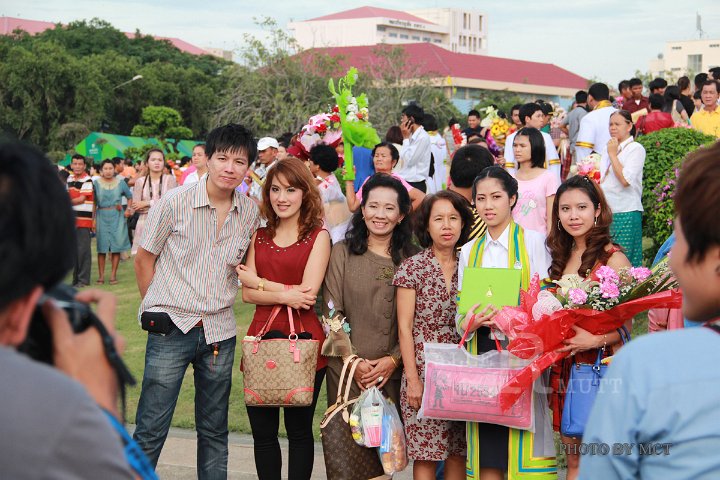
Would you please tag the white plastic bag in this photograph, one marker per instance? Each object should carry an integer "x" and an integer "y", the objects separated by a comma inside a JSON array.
[
  {"x": 393, "y": 449},
  {"x": 366, "y": 418}
]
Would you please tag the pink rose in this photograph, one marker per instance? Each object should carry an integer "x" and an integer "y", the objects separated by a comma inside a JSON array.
[
  {"x": 578, "y": 296},
  {"x": 609, "y": 290}
]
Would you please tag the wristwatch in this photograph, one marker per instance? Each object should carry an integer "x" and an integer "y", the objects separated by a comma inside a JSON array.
[{"x": 261, "y": 285}]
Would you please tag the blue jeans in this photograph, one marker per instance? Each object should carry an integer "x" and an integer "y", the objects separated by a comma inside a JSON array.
[{"x": 166, "y": 360}]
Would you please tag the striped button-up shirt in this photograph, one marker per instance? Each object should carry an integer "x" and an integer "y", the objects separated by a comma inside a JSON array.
[{"x": 195, "y": 276}]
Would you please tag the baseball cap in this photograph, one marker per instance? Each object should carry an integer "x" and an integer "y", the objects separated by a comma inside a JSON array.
[{"x": 267, "y": 142}]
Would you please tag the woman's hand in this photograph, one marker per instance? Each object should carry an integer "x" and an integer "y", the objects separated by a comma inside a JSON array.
[
  {"x": 362, "y": 369},
  {"x": 299, "y": 297},
  {"x": 612, "y": 146},
  {"x": 473, "y": 321},
  {"x": 247, "y": 277},
  {"x": 500, "y": 160},
  {"x": 414, "y": 393},
  {"x": 382, "y": 369},
  {"x": 141, "y": 206},
  {"x": 581, "y": 342}
]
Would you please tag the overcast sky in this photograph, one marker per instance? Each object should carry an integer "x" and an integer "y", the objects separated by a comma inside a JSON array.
[{"x": 606, "y": 39}]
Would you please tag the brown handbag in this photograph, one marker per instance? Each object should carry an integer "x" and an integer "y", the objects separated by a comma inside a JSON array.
[
  {"x": 345, "y": 459},
  {"x": 279, "y": 372}
]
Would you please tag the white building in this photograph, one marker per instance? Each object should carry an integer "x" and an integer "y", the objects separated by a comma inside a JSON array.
[
  {"x": 686, "y": 57},
  {"x": 457, "y": 30},
  {"x": 467, "y": 28}
]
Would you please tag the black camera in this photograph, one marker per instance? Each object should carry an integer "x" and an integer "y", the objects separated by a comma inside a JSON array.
[{"x": 38, "y": 343}]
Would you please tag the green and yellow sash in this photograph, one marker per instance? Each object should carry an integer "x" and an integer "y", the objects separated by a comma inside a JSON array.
[{"x": 522, "y": 464}]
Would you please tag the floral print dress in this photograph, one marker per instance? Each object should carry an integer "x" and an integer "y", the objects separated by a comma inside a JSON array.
[{"x": 435, "y": 307}]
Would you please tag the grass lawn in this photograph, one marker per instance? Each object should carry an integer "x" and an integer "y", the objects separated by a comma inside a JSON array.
[{"x": 127, "y": 324}]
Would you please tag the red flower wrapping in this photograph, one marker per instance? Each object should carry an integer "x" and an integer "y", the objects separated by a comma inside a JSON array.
[
  {"x": 322, "y": 128},
  {"x": 543, "y": 337}
]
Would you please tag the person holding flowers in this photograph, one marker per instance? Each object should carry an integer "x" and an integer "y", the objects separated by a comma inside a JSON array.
[
  {"x": 505, "y": 245},
  {"x": 622, "y": 185},
  {"x": 667, "y": 385},
  {"x": 582, "y": 249}
]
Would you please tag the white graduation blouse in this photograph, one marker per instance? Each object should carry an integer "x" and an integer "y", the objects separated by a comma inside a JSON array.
[{"x": 620, "y": 198}]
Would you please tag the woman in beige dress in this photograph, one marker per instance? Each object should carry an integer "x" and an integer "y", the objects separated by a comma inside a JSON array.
[{"x": 359, "y": 284}]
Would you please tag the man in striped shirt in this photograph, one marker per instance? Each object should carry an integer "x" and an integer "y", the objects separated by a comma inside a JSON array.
[
  {"x": 80, "y": 188},
  {"x": 194, "y": 238}
]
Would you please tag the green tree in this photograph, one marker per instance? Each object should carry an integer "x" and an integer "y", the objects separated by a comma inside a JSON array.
[
  {"x": 44, "y": 87},
  {"x": 274, "y": 91},
  {"x": 76, "y": 74},
  {"x": 393, "y": 81},
  {"x": 504, "y": 101},
  {"x": 161, "y": 122}
]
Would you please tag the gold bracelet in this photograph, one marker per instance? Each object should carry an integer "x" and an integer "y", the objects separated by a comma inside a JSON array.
[
  {"x": 394, "y": 361},
  {"x": 261, "y": 285}
]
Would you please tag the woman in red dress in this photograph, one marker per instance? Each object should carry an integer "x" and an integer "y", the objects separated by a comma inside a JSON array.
[
  {"x": 292, "y": 251},
  {"x": 579, "y": 243}
]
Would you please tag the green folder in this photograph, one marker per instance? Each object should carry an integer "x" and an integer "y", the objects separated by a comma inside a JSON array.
[{"x": 499, "y": 286}]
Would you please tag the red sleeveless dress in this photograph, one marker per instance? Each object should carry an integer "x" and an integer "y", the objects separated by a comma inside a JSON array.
[
  {"x": 286, "y": 266},
  {"x": 560, "y": 372}
]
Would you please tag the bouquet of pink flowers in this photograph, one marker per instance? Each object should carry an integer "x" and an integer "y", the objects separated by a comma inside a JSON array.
[
  {"x": 589, "y": 166},
  {"x": 321, "y": 128},
  {"x": 544, "y": 320}
]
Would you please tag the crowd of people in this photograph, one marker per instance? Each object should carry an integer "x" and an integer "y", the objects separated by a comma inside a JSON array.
[{"x": 389, "y": 253}]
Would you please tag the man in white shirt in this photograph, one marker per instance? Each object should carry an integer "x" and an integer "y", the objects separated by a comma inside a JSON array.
[
  {"x": 531, "y": 115},
  {"x": 415, "y": 154},
  {"x": 199, "y": 160},
  {"x": 266, "y": 157},
  {"x": 594, "y": 131}
]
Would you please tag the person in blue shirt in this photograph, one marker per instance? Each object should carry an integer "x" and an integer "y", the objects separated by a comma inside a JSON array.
[{"x": 657, "y": 414}]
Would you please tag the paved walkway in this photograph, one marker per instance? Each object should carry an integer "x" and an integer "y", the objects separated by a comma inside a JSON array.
[{"x": 178, "y": 458}]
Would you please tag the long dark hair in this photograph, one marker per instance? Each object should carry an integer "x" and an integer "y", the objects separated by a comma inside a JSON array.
[
  {"x": 560, "y": 242},
  {"x": 401, "y": 246}
]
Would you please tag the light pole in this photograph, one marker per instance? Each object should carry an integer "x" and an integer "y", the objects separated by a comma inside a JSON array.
[{"x": 136, "y": 77}]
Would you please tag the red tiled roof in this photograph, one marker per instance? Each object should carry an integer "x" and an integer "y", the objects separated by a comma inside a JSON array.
[
  {"x": 438, "y": 62},
  {"x": 10, "y": 24},
  {"x": 33, "y": 27},
  {"x": 372, "y": 12},
  {"x": 181, "y": 45}
]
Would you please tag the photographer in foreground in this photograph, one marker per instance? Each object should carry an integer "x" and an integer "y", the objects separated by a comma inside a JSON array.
[{"x": 52, "y": 419}]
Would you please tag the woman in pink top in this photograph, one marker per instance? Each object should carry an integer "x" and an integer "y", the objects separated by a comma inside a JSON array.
[
  {"x": 385, "y": 157},
  {"x": 536, "y": 184}
]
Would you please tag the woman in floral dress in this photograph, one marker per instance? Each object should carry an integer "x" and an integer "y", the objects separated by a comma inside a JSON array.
[{"x": 426, "y": 304}]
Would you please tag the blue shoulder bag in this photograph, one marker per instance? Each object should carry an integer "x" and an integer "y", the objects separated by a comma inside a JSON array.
[{"x": 582, "y": 388}]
